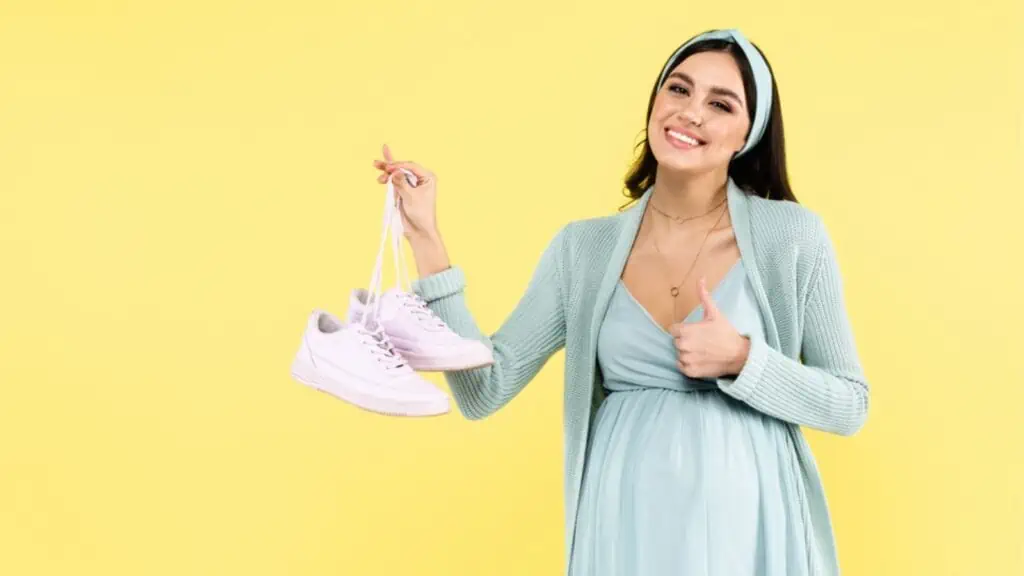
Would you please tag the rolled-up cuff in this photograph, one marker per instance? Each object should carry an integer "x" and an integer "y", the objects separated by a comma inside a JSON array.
[
  {"x": 742, "y": 386},
  {"x": 440, "y": 285}
]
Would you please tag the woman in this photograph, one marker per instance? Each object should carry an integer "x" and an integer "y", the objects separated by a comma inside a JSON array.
[{"x": 702, "y": 327}]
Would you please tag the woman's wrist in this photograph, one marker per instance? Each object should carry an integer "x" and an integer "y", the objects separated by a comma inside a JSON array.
[
  {"x": 429, "y": 253},
  {"x": 742, "y": 353}
]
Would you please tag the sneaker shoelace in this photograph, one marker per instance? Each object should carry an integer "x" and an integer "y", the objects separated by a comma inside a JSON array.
[
  {"x": 377, "y": 342},
  {"x": 393, "y": 224},
  {"x": 419, "y": 310},
  {"x": 370, "y": 329}
]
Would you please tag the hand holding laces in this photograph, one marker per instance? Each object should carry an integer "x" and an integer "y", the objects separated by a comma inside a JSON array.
[
  {"x": 410, "y": 301},
  {"x": 398, "y": 319},
  {"x": 370, "y": 320}
]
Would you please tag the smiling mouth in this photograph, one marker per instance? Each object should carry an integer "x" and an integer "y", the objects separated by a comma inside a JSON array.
[{"x": 681, "y": 140}]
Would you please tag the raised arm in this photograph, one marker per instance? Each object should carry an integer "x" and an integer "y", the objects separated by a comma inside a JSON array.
[{"x": 530, "y": 335}]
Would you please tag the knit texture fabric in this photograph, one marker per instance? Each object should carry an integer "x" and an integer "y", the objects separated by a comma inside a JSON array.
[{"x": 805, "y": 372}]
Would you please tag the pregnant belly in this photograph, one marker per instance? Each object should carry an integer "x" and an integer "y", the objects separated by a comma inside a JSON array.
[{"x": 687, "y": 463}]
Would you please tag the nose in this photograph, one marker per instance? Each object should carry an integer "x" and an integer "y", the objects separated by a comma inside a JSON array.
[{"x": 691, "y": 112}]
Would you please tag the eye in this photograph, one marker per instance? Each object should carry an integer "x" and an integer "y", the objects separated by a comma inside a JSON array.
[
  {"x": 722, "y": 105},
  {"x": 678, "y": 89}
]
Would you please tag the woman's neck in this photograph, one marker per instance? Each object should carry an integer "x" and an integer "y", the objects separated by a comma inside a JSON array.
[{"x": 688, "y": 196}]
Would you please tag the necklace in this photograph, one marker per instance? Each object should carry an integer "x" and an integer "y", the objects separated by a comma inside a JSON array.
[
  {"x": 680, "y": 219},
  {"x": 674, "y": 289}
]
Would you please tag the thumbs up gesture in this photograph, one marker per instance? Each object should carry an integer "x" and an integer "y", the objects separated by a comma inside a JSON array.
[{"x": 710, "y": 347}]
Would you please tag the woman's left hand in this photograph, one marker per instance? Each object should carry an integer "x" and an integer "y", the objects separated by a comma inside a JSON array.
[{"x": 712, "y": 347}]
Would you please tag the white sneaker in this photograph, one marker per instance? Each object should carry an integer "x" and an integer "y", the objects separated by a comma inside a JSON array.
[
  {"x": 420, "y": 337},
  {"x": 423, "y": 339},
  {"x": 357, "y": 363}
]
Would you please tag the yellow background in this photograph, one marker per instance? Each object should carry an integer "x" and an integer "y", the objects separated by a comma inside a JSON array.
[{"x": 182, "y": 182}]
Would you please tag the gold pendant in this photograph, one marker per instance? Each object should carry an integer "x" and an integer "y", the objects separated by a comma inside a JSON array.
[{"x": 674, "y": 291}]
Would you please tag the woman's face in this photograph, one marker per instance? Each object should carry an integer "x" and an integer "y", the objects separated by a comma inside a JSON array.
[{"x": 699, "y": 119}]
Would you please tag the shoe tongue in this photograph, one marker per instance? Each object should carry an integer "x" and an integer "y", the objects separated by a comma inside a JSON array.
[
  {"x": 390, "y": 302},
  {"x": 384, "y": 309}
]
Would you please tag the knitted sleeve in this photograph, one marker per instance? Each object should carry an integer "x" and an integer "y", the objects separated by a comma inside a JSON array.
[
  {"x": 529, "y": 336},
  {"x": 828, "y": 390}
]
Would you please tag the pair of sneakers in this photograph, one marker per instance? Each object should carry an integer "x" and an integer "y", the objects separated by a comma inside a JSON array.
[{"x": 373, "y": 357}]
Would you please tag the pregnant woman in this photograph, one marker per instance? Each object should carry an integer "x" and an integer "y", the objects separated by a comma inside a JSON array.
[{"x": 703, "y": 326}]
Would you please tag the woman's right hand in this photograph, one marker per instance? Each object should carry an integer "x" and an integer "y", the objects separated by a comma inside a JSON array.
[
  {"x": 418, "y": 204},
  {"x": 418, "y": 212}
]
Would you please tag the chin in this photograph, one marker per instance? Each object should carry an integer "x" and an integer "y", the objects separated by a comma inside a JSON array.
[
  {"x": 682, "y": 167},
  {"x": 685, "y": 162}
]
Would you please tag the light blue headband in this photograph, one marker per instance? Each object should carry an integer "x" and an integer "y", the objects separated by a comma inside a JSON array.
[{"x": 762, "y": 79}]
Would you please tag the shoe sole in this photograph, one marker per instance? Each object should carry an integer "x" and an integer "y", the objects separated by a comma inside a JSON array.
[
  {"x": 306, "y": 374},
  {"x": 433, "y": 363}
]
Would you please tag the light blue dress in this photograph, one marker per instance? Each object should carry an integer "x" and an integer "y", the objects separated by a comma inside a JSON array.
[{"x": 682, "y": 479}]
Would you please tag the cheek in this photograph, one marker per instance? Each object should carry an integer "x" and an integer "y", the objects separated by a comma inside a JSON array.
[
  {"x": 662, "y": 110},
  {"x": 658, "y": 116},
  {"x": 732, "y": 136},
  {"x": 740, "y": 135}
]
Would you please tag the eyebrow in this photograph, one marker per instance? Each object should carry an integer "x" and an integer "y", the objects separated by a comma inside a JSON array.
[{"x": 714, "y": 89}]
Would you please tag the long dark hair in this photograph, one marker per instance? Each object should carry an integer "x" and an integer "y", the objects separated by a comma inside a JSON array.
[{"x": 761, "y": 170}]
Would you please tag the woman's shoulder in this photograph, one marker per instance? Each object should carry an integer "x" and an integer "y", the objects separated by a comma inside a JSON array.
[
  {"x": 593, "y": 230},
  {"x": 785, "y": 222},
  {"x": 588, "y": 241},
  {"x": 787, "y": 232}
]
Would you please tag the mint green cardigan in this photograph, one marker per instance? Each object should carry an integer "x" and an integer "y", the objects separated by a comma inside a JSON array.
[{"x": 805, "y": 372}]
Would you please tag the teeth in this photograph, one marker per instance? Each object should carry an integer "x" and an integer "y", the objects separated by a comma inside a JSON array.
[{"x": 683, "y": 138}]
